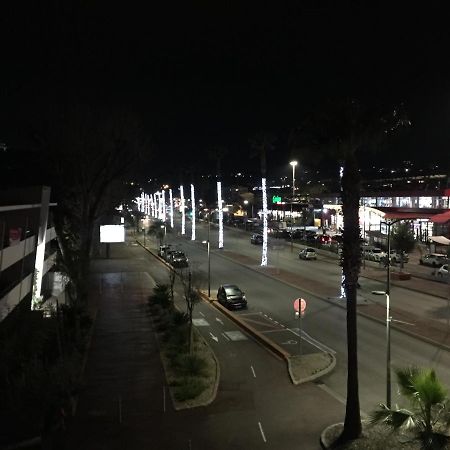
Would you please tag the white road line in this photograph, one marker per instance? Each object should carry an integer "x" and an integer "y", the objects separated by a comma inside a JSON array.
[
  {"x": 262, "y": 432},
  {"x": 164, "y": 398},
  {"x": 226, "y": 337},
  {"x": 219, "y": 320},
  {"x": 312, "y": 341},
  {"x": 253, "y": 370},
  {"x": 201, "y": 313}
]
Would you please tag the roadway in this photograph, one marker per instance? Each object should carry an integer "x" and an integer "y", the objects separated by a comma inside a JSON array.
[{"x": 324, "y": 324}]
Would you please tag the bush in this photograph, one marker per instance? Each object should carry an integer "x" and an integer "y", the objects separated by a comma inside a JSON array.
[
  {"x": 161, "y": 296},
  {"x": 189, "y": 388},
  {"x": 192, "y": 365}
]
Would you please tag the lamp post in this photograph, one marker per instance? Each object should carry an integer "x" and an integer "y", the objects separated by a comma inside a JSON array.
[
  {"x": 388, "y": 311},
  {"x": 209, "y": 254},
  {"x": 293, "y": 164}
]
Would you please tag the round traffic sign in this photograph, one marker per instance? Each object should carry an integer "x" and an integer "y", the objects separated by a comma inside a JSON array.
[{"x": 300, "y": 305}]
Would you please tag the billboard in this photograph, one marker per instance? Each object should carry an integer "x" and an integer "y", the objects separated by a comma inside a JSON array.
[{"x": 112, "y": 233}]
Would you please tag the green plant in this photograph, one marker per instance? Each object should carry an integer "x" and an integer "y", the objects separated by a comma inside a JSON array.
[
  {"x": 188, "y": 388},
  {"x": 429, "y": 416},
  {"x": 161, "y": 296},
  {"x": 192, "y": 365}
]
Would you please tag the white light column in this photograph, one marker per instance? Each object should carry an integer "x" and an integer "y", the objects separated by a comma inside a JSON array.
[
  {"x": 36, "y": 297},
  {"x": 163, "y": 196},
  {"x": 264, "y": 247},
  {"x": 142, "y": 203},
  {"x": 171, "y": 208},
  {"x": 219, "y": 203},
  {"x": 193, "y": 212},
  {"x": 183, "y": 217}
]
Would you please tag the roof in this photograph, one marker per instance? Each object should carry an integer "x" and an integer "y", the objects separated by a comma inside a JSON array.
[{"x": 441, "y": 218}]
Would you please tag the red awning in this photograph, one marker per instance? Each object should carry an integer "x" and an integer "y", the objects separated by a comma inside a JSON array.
[
  {"x": 407, "y": 215},
  {"x": 441, "y": 218}
]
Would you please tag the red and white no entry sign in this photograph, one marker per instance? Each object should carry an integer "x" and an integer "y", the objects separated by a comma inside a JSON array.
[{"x": 300, "y": 305}]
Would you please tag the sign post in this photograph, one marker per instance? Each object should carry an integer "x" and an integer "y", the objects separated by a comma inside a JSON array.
[{"x": 300, "y": 307}]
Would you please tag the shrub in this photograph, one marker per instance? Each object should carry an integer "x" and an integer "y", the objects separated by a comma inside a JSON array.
[
  {"x": 161, "y": 296},
  {"x": 192, "y": 365},
  {"x": 189, "y": 388}
]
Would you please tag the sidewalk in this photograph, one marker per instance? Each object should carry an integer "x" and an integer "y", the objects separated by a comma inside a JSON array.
[{"x": 121, "y": 402}]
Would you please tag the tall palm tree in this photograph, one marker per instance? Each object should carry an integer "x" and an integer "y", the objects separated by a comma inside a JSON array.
[
  {"x": 343, "y": 129},
  {"x": 218, "y": 153},
  {"x": 262, "y": 143},
  {"x": 429, "y": 414}
]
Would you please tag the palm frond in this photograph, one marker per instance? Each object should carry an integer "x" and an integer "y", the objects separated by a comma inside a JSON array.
[{"x": 393, "y": 418}]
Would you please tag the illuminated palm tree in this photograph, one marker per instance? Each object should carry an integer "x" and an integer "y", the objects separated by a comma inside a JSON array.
[
  {"x": 262, "y": 143},
  {"x": 218, "y": 153},
  {"x": 342, "y": 130}
]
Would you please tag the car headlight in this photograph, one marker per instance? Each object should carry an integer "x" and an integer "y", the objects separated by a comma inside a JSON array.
[{"x": 243, "y": 297}]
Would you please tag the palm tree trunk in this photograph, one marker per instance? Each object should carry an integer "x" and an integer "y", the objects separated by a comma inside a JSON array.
[{"x": 351, "y": 265}]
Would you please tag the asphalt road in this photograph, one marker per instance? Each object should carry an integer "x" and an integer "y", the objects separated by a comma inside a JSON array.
[{"x": 324, "y": 322}]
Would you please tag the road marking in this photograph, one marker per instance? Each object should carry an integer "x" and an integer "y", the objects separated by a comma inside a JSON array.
[
  {"x": 219, "y": 320},
  {"x": 253, "y": 370},
  {"x": 225, "y": 336},
  {"x": 200, "y": 322},
  {"x": 306, "y": 337},
  {"x": 236, "y": 335},
  {"x": 201, "y": 313},
  {"x": 214, "y": 337},
  {"x": 336, "y": 396},
  {"x": 262, "y": 432},
  {"x": 290, "y": 342}
]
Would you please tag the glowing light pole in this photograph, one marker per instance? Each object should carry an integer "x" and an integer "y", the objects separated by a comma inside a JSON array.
[
  {"x": 219, "y": 203},
  {"x": 163, "y": 197},
  {"x": 171, "y": 208},
  {"x": 193, "y": 212},
  {"x": 183, "y": 217},
  {"x": 293, "y": 164},
  {"x": 264, "y": 247}
]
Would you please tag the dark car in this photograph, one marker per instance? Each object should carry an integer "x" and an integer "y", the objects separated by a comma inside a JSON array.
[
  {"x": 230, "y": 296},
  {"x": 179, "y": 259},
  {"x": 163, "y": 249},
  {"x": 257, "y": 239}
]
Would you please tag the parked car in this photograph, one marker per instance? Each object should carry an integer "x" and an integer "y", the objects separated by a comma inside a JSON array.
[
  {"x": 375, "y": 254},
  {"x": 396, "y": 257},
  {"x": 257, "y": 239},
  {"x": 179, "y": 259},
  {"x": 230, "y": 296},
  {"x": 443, "y": 271},
  {"x": 307, "y": 253},
  {"x": 433, "y": 259},
  {"x": 162, "y": 250}
]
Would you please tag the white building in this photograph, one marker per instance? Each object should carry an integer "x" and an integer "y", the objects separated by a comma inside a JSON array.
[{"x": 28, "y": 252}]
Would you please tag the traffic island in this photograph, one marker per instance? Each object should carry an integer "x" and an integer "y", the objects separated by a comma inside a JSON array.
[{"x": 304, "y": 368}]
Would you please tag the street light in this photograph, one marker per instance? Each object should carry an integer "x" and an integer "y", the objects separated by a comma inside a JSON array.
[
  {"x": 209, "y": 254},
  {"x": 388, "y": 310},
  {"x": 293, "y": 164}
]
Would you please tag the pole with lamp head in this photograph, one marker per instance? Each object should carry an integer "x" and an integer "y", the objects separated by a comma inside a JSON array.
[{"x": 293, "y": 164}]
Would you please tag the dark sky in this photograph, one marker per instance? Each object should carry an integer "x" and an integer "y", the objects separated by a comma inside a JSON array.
[{"x": 209, "y": 73}]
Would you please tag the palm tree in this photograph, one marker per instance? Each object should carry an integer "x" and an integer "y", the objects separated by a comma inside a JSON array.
[
  {"x": 341, "y": 130},
  {"x": 262, "y": 143},
  {"x": 157, "y": 229},
  {"x": 217, "y": 153},
  {"x": 429, "y": 416}
]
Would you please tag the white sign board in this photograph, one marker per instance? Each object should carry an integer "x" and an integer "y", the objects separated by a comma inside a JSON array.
[{"x": 112, "y": 233}]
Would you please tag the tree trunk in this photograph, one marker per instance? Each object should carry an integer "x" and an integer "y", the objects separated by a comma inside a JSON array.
[{"x": 351, "y": 265}]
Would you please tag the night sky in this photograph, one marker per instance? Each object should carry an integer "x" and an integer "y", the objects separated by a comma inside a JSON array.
[{"x": 210, "y": 73}]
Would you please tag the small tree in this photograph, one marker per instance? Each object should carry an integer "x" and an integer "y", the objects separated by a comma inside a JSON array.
[
  {"x": 192, "y": 297},
  {"x": 158, "y": 229},
  {"x": 429, "y": 416},
  {"x": 402, "y": 238}
]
